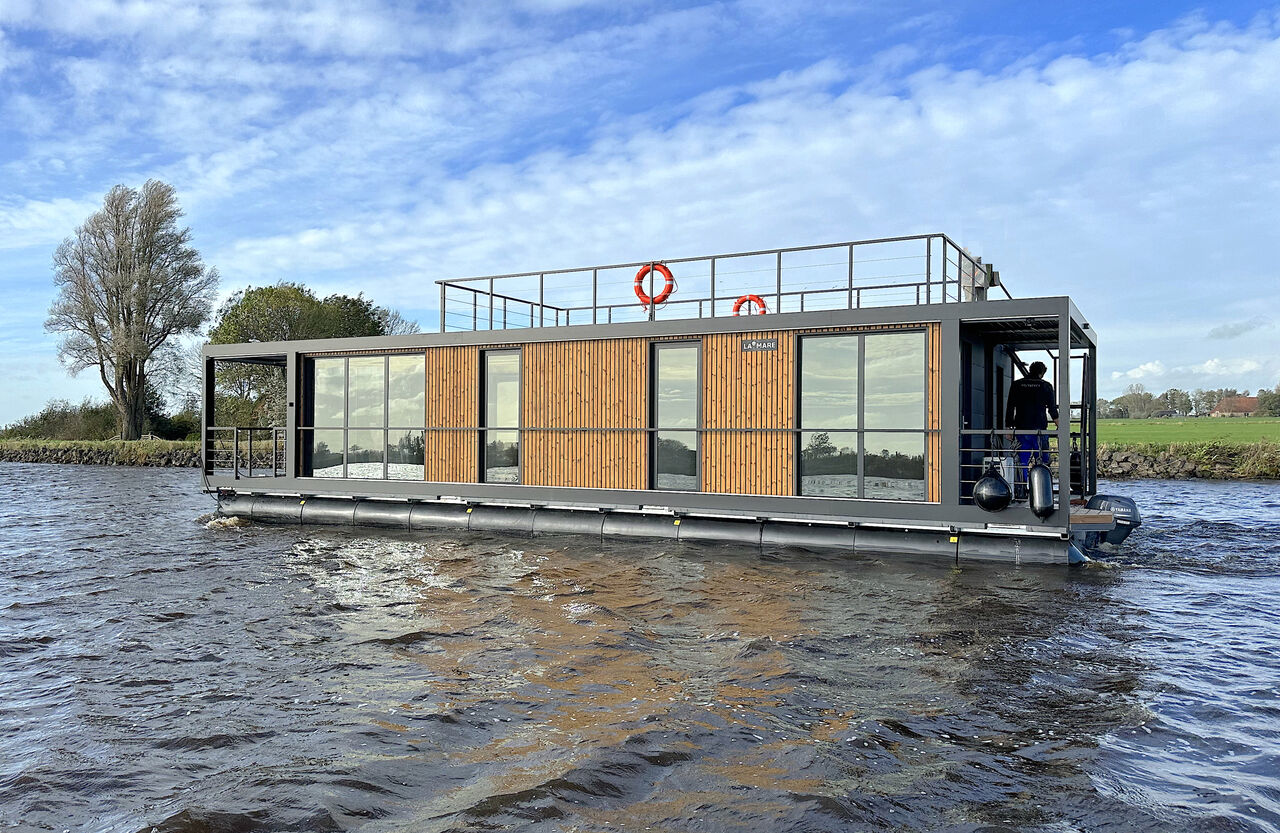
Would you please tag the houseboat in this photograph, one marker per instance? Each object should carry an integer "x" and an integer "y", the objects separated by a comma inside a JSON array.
[{"x": 848, "y": 395}]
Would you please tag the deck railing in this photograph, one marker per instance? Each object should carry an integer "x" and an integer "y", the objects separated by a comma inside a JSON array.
[
  {"x": 919, "y": 269},
  {"x": 245, "y": 451}
]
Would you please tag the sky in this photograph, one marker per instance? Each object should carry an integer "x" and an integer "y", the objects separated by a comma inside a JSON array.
[{"x": 1126, "y": 154}]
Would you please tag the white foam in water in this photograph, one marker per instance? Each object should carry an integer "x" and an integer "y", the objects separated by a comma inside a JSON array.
[{"x": 232, "y": 522}]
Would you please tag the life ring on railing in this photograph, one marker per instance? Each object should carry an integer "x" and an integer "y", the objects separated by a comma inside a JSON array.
[
  {"x": 754, "y": 299},
  {"x": 667, "y": 288}
]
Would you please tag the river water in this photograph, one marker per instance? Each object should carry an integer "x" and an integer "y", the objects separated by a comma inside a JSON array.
[{"x": 159, "y": 673}]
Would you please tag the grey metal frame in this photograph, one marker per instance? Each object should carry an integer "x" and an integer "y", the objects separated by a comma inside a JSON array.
[
  {"x": 947, "y": 512},
  {"x": 483, "y": 428}
]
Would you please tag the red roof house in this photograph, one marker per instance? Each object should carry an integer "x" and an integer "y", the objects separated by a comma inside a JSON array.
[{"x": 1235, "y": 406}]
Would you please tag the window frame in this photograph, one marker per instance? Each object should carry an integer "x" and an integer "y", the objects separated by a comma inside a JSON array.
[
  {"x": 800, "y": 429},
  {"x": 307, "y": 416},
  {"x": 483, "y": 428},
  {"x": 653, "y": 430}
]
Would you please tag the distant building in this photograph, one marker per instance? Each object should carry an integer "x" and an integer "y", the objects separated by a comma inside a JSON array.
[
  {"x": 1235, "y": 406},
  {"x": 1166, "y": 414}
]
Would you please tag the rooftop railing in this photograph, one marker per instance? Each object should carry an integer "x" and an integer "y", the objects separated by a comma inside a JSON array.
[{"x": 919, "y": 269}]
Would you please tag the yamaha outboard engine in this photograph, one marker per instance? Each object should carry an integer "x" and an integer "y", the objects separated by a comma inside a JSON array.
[
  {"x": 1040, "y": 489},
  {"x": 1125, "y": 512}
]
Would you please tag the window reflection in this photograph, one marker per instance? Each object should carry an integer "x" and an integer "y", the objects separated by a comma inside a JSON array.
[
  {"x": 329, "y": 392},
  {"x": 894, "y": 466},
  {"x": 829, "y": 382},
  {"x": 829, "y": 463},
  {"x": 366, "y": 391},
  {"x": 895, "y": 381},
  {"x": 676, "y": 461},
  {"x": 502, "y": 390},
  {"x": 502, "y": 457},
  {"x": 325, "y": 452},
  {"x": 365, "y": 454},
  {"x": 406, "y": 455},
  {"x": 676, "y": 386},
  {"x": 406, "y": 391}
]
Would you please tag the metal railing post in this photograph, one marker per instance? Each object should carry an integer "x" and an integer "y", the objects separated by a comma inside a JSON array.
[
  {"x": 851, "y": 306},
  {"x": 235, "y": 453},
  {"x": 713, "y": 287},
  {"x": 542, "y": 303},
  {"x": 595, "y": 294},
  {"x": 490, "y": 303},
  {"x": 251, "y": 452},
  {"x": 928, "y": 271},
  {"x": 777, "y": 302},
  {"x": 442, "y": 304}
]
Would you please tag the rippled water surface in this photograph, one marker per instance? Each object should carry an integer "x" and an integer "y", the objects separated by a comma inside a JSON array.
[{"x": 158, "y": 673}]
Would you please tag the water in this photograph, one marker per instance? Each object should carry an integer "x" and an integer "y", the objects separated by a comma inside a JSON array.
[{"x": 156, "y": 673}]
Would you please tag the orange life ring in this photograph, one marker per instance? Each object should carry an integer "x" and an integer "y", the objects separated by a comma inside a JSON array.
[
  {"x": 755, "y": 299},
  {"x": 667, "y": 288}
]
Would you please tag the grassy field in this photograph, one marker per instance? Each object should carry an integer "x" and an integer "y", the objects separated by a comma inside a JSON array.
[{"x": 1204, "y": 429}]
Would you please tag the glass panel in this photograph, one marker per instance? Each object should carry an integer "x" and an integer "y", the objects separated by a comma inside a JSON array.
[
  {"x": 406, "y": 391},
  {"x": 502, "y": 390},
  {"x": 676, "y": 463},
  {"x": 406, "y": 455},
  {"x": 895, "y": 466},
  {"x": 676, "y": 387},
  {"x": 326, "y": 452},
  {"x": 330, "y": 387},
  {"x": 366, "y": 392},
  {"x": 502, "y": 456},
  {"x": 829, "y": 463},
  {"x": 894, "y": 386},
  {"x": 365, "y": 453},
  {"x": 829, "y": 382}
]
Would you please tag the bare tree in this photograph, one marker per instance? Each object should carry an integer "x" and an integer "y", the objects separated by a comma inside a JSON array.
[{"x": 128, "y": 281}]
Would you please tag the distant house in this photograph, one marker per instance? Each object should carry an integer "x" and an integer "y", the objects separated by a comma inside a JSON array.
[{"x": 1235, "y": 406}]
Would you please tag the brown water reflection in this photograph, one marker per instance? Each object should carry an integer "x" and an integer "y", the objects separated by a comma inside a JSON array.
[{"x": 158, "y": 673}]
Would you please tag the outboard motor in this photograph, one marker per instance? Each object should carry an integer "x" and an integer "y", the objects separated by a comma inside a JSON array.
[
  {"x": 992, "y": 492},
  {"x": 1124, "y": 510},
  {"x": 1040, "y": 489}
]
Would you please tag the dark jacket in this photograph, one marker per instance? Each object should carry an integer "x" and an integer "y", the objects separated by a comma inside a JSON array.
[{"x": 1028, "y": 400}]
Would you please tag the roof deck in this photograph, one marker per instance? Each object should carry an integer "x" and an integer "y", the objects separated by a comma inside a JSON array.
[{"x": 859, "y": 274}]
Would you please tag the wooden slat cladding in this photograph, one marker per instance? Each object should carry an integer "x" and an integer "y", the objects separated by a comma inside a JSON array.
[
  {"x": 453, "y": 378},
  {"x": 933, "y": 417},
  {"x": 748, "y": 390},
  {"x": 586, "y": 384}
]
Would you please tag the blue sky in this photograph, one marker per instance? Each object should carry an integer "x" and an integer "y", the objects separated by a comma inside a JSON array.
[{"x": 1126, "y": 154}]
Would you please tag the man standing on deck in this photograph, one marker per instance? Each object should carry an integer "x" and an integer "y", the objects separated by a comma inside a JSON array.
[{"x": 1030, "y": 398}]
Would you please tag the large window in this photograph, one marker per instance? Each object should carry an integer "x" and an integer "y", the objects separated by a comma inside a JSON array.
[
  {"x": 862, "y": 415},
  {"x": 364, "y": 417},
  {"x": 500, "y": 413},
  {"x": 674, "y": 445}
]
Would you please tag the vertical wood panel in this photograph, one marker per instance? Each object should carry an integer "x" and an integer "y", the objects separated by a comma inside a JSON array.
[
  {"x": 585, "y": 384},
  {"x": 748, "y": 390},
  {"x": 453, "y": 401}
]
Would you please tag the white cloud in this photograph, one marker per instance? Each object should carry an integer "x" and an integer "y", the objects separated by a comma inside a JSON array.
[{"x": 1142, "y": 371}]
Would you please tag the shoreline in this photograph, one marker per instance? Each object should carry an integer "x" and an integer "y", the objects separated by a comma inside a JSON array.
[{"x": 1130, "y": 461}]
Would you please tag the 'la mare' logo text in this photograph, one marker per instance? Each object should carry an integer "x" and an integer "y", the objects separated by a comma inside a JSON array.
[{"x": 759, "y": 345}]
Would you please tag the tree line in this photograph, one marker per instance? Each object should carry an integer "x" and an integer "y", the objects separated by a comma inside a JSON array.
[
  {"x": 1138, "y": 403},
  {"x": 131, "y": 287}
]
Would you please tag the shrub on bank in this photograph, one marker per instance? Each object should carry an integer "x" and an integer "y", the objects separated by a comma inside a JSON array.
[
  {"x": 1216, "y": 460},
  {"x": 103, "y": 452}
]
